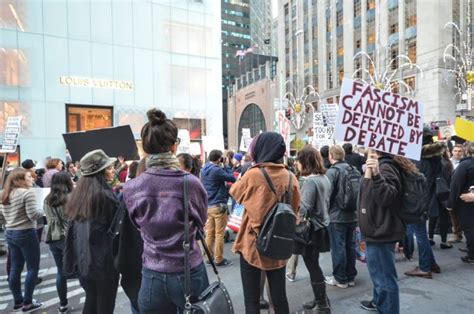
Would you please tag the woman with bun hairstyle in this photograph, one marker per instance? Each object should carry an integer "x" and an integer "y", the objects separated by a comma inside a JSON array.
[
  {"x": 91, "y": 209},
  {"x": 21, "y": 214},
  {"x": 155, "y": 202},
  {"x": 54, "y": 209}
]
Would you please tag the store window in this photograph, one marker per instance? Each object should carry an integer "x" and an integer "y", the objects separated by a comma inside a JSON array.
[
  {"x": 196, "y": 127},
  {"x": 14, "y": 67},
  {"x": 411, "y": 49},
  {"x": 84, "y": 118},
  {"x": 410, "y": 81}
]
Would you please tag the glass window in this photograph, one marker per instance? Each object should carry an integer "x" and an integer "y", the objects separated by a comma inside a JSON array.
[
  {"x": 196, "y": 127},
  {"x": 357, "y": 8},
  {"x": 410, "y": 81},
  {"x": 252, "y": 118},
  {"x": 393, "y": 55},
  {"x": 340, "y": 74},
  {"x": 411, "y": 49},
  {"x": 339, "y": 18},
  {"x": 83, "y": 118},
  {"x": 370, "y": 4}
]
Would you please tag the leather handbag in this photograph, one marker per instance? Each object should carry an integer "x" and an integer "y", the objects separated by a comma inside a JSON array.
[
  {"x": 303, "y": 231},
  {"x": 442, "y": 189},
  {"x": 216, "y": 298}
]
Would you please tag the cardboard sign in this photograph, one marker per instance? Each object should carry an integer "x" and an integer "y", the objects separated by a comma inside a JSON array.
[
  {"x": 210, "y": 142},
  {"x": 446, "y": 132},
  {"x": 284, "y": 126},
  {"x": 115, "y": 142},
  {"x": 246, "y": 140},
  {"x": 185, "y": 142},
  {"x": 11, "y": 136},
  {"x": 324, "y": 122},
  {"x": 379, "y": 119},
  {"x": 464, "y": 129}
]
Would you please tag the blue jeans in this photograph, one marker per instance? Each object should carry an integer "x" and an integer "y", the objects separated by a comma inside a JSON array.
[
  {"x": 425, "y": 254},
  {"x": 343, "y": 254},
  {"x": 381, "y": 265},
  {"x": 23, "y": 245},
  {"x": 56, "y": 248},
  {"x": 164, "y": 292}
]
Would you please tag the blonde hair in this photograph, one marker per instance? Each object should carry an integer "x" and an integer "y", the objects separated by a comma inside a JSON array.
[{"x": 337, "y": 153}]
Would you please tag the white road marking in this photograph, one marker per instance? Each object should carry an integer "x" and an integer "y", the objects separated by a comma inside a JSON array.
[
  {"x": 38, "y": 292},
  {"x": 4, "y": 261},
  {"x": 42, "y": 272},
  {"x": 70, "y": 294}
]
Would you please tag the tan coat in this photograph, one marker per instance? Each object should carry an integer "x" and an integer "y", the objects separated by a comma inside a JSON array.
[{"x": 253, "y": 192}]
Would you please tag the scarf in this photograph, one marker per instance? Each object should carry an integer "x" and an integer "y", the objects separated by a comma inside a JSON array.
[
  {"x": 163, "y": 161},
  {"x": 269, "y": 147}
]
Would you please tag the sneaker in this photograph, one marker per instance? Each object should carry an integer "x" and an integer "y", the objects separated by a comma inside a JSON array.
[
  {"x": 446, "y": 245},
  {"x": 467, "y": 259},
  {"x": 17, "y": 307},
  {"x": 432, "y": 242},
  {"x": 63, "y": 309},
  {"x": 330, "y": 280},
  {"x": 368, "y": 306},
  {"x": 38, "y": 281},
  {"x": 417, "y": 272},
  {"x": 264, "y": 304},
  {"x": 32, "y": 307},
  {"x": 351, "y": 283},
  {"x": 455, "y": 240},
  {"x": 224, "y": 262},
  {"x": 290, "y": 277}
]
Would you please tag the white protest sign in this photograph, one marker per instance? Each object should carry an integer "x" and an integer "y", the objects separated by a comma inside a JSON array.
[
  {"x": 324, "y": 122},
  {"x": 195, "y": 149},
  {"x": 245, "y": 141},
  {"x": 185, "y": 141},
  {"x": 211, "y": 142},
  {"x": 284, "y": 127},
  {"x": 11, "y": 136},
  {"x": 379, "y": 119}
]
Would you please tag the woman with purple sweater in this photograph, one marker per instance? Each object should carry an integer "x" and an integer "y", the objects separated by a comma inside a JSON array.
[{"x": 155, "y": 204}]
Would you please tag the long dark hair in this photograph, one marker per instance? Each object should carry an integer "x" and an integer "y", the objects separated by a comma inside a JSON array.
[
  {"x": 311, "y": 161},
  {"x": 88, "y": 198},
  {"x": 16, "y": 179},
  {"x": 159, "y": 133},
  {"x": 61, "y": 186},
  {"x": 190, "y": 163}
]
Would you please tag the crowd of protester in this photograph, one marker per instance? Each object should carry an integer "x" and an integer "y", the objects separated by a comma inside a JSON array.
[{"x": 109, "y": 220}]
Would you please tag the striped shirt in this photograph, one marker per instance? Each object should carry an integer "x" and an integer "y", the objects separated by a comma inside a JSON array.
[{"x": 22, "y": 212}]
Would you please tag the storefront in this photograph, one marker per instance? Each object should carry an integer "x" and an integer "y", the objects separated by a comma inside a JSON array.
[{"x": 75, "y": 66}]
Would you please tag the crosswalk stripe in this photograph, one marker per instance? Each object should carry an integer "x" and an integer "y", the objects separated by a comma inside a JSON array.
[
  {"x": 42, "y": 272},
  {"x": 44, "y": 283},
  {"x": 55, "y": 300},
  {"x": 42, "y": 256},
  {"x": 38, "y": 292}
]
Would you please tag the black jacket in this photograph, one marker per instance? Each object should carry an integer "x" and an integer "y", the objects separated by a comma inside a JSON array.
[
  {"x": 336, "y": 204},
  {"x": 355, "y": 160},
  {"x": 462, "y": 179},
  {"x": 378, "y": 205},
  {"x": 431, "y": 167},
  {"x": 92, "y": 243}
]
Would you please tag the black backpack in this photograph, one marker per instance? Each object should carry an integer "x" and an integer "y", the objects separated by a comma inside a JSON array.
[
  {"x": 275, "y": 239},
  {"x": 414, "y": 199},
  {"x": 348, "y": 187}
]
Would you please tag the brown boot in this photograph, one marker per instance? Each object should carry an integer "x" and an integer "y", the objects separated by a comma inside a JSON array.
[
  {"x": 417, "y": 272},
  {"x": 436, "y": 269}
]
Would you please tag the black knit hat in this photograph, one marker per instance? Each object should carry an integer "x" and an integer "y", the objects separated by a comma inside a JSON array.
[{"x": 28, "y": 164}]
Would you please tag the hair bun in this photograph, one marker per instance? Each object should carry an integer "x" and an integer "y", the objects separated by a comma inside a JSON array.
[{"x": 156, "y": 116}]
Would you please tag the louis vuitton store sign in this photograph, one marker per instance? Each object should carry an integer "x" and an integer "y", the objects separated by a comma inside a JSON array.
[{"x": 95, "y": 83}]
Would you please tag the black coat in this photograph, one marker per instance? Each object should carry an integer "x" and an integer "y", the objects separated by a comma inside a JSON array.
[
  {"x": 462, "y": 179},
  {"x": 355, "y": 160}
]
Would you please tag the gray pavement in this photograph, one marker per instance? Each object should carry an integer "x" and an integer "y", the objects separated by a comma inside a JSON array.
[{"x": 452, "y": 291}]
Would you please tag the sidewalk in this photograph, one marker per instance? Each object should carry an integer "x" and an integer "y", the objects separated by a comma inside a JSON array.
[{"x": 452, "y": 291}]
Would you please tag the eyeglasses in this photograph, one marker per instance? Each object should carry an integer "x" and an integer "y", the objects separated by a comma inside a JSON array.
[{"x": 178, "y": 141}]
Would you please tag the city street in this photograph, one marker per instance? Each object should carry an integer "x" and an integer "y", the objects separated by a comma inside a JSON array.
[{"x": 450, "y": 291}]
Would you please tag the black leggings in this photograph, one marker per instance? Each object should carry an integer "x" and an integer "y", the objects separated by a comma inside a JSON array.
[
  {"x": 100, "y": 295},
  {"x": 311, "y": 260},
  {"x": 443, "y": 220},
  {"x": 251, "y": 286}
]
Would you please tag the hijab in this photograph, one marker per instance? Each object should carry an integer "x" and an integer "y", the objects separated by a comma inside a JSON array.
[{"x": 269, "y": 147}]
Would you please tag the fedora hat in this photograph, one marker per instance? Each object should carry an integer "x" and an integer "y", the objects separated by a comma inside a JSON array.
[{"x": 95, "y": 161}]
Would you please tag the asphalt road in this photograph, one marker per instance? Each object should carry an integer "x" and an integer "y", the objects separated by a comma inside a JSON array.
[{"x": 452, "y": 291}]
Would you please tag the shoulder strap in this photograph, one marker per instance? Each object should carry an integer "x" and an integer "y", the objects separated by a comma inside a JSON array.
[
  {"x": 289, "y": 190},
  {"x": 61, "y": 221}
]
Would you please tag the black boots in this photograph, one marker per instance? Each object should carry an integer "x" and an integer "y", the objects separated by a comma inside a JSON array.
[{"x": 321, "y": 302}]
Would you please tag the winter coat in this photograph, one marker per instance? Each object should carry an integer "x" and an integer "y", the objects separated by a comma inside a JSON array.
[
  {"x": 462, "y": 179},
  {"x": 379, "y": 202},
  {"x": 336, "y": 212},
  {"x": 315, "y": 194},
  {"x": 214, "y": 179},
  {"x": 355, "y": 160},
  {"x": 431, "y": 166},
  {"x": 253, "y": 192}
]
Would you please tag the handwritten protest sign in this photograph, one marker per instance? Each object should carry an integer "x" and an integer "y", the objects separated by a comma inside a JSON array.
[
  {"x": 324, "y": 122},
  {"x": 211, "y": 142},
  {"x": 246, "y": 140},
  {"x": 284, "y": 127},
  {"x": 379, "y": 119},
  {"x": 11, "y": 136},
  {"x": 185, "y": 141}
]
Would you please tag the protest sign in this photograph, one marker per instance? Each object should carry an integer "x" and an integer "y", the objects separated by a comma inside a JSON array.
[
  {"x": 11, "y": 135},
  {"x": 379, "y": 119},
  {"x": 446, "y": 132},
  {"x": 324, "y": 122},
  {"x": 284, "y": 127},
  {"x": 195, "y": 149},
  {"x": 246, "y": 140},
  {"x": 464, "y": 129},
  {"x": 115, "y": 142},
  {"x": 185, "y": 141},
  {"x": 211, "y": 142}
]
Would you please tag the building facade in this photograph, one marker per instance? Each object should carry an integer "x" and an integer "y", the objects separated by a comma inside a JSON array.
[
  {"x": 318, "y": 39},
  {"x": 261, "y": 26},
  {"x": 77, "y": 65}
]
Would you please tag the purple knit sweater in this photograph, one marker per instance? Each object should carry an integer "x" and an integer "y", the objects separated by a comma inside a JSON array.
[{"x": 155, "y": 203}]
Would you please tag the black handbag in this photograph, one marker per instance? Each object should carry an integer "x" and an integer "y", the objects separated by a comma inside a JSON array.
[
  {"x": 303, "y": 231},
  {"x": 216, "y": 298},
  {"x": 441, "y": 189}
]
